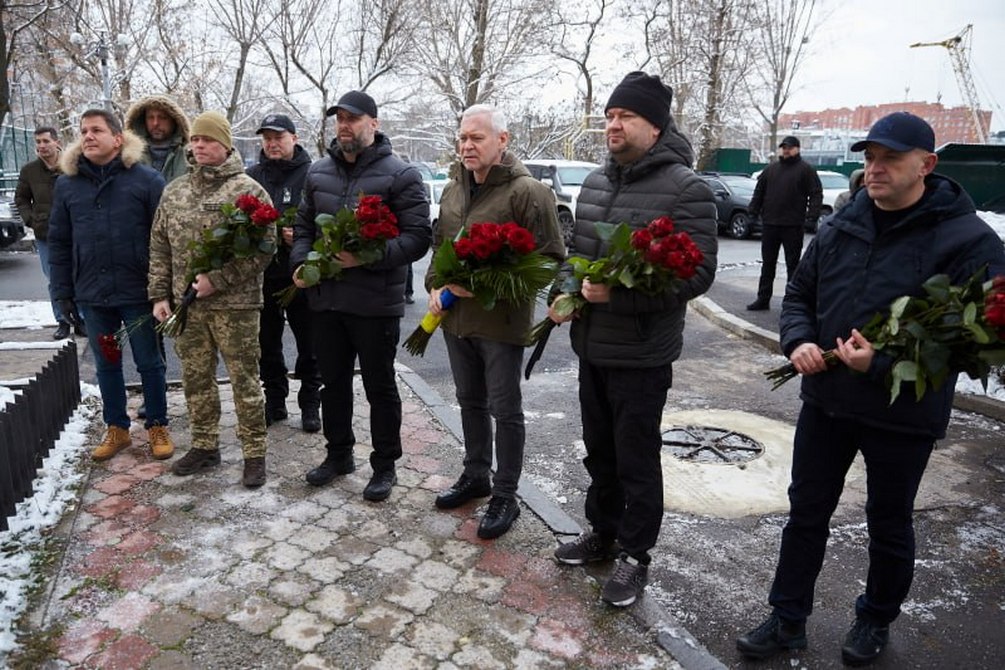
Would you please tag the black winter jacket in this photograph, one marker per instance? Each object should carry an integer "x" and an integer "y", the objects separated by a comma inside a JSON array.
[
  {"x": 284, "y": 180},
  {"x": 635, "y": 330},
  {"x": 99, "y": 227},
  {"x": 849, "y": 273},
  {"x": 788, "y": 193},
  {"x": 376, "y": 289}
]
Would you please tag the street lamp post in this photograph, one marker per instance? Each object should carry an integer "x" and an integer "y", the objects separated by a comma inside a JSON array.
[{"x": 99, "y": 48}]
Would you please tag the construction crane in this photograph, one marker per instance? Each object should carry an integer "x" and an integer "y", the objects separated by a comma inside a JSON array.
[{"x": 959, "y": 53}]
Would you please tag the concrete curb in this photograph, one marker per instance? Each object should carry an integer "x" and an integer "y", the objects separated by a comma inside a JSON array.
[
  {"x": 670, "y": 634},
  {"x": 985, "y": 406}
]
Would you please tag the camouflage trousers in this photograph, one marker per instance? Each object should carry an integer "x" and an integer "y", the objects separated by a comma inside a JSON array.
[{"x": 234, "y": 334}]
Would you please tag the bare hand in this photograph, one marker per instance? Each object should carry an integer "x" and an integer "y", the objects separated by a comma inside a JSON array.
[
  {"x": 288, "y": 236},
  {"x": 808, "y": 359},
  {"x": 296, "y": 277},
  {"x": 595, "y": 292},
  {"x": 347, "y": 259},
  {"x": 162, "y": 310},
  {"x": 855, "y": 352},
  {"x": 203, "y": 286},
  {"x": 435, "y": 302},
  {"x": 559, "y": 318}
]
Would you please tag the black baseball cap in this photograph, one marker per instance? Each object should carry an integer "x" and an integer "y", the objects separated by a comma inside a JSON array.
[
  {"x": 900, "y": 131},
  {"x": 354, "y": 102},
  {"x": 789, "y": 141},
  {"x": 277, "y": 122}
]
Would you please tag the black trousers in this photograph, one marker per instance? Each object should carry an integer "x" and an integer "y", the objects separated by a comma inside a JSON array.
[
  {"x": 272, "y": 364},
  {"x": 339, "y": 339},
  {"x": 622, "y": 409},
  {"x": 773, "y": 238},
  {"x": 824, "y": 449}
]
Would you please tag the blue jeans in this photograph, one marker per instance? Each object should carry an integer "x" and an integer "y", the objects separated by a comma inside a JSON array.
[
  {"x": 43, "y": 257},
  {"x": 823, "y": 450},
  {"x": 487, "y": 379},
  {"x": 146, "y": 354}
]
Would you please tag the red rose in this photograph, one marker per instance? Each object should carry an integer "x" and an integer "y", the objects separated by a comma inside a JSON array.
[
  {"x": 247, "y": 203},
  {"x": 661, "y": 227},
  {"x": 463, "y": 248},
  {"x": 109, "y": 348},
  {"x": 264, "y": 215},
  {"x": 641, "y": 239}
]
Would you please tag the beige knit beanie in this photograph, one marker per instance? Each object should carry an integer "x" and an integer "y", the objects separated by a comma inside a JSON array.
[{"x": 214, "y": 126}]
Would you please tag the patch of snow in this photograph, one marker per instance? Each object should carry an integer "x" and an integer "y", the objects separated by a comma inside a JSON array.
[
  {"x": 54, "y": 489},
  {"x": 26, "y": 314}
]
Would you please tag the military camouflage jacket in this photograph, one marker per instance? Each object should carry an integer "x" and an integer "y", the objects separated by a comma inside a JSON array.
[{"x": 191, "y": 204}]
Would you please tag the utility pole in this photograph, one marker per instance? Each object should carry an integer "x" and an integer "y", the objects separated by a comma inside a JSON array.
[{"x": 959, "y": 54}]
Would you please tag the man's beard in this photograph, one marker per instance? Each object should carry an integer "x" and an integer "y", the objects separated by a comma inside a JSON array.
[{"x": 353, "y": 146}]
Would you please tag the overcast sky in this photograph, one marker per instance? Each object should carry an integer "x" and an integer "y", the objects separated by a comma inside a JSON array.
[{"x": 861, "y": 56}]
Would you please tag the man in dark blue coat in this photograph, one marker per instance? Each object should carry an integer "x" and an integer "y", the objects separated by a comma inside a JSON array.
[
  {"x": 905, "y": 226},
  {"x": 358, "y": 313},
  {"x": 281, "y": 169},
  {"x": 99, "y": 239}
]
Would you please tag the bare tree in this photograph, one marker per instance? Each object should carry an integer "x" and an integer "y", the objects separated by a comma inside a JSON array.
[
  {"x": 470, "y": 49},
  {"x": 15, "y": 19},
  {"x": 784, "y": 30},
  {"x": 242, "y": 21}
]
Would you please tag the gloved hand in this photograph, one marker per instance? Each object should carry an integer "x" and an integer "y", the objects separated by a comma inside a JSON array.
[{"x": 70, "y": 313}]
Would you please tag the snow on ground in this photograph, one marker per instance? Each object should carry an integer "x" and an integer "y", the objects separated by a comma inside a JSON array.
[
  {"x": 26, "y": 314},
  {"x": 55, "y": 489}
]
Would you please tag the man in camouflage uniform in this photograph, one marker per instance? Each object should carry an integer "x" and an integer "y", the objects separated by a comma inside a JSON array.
[{"x": 224, "y": 316}]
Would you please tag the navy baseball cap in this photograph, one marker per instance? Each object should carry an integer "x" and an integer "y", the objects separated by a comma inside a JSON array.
[
  {"x": 789, "y": 141},
  {"x": 900, "y": 131},
  {"x": 354, "y": 102},
  {"x": 277, "y": 122}
]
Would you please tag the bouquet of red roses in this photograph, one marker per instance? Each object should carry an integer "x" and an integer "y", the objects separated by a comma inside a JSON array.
[
  {"x": 495, "y": 262},
  {"x": 949, "y": 329},
  {"x": 652, "y": 260},
  {"x": 242, "y": 233},
  {"x": 363, "y": 231}
]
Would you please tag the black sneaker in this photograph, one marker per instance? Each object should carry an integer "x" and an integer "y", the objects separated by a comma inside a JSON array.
[
  {"x": 759, "y": 306},
  {"x": 62, "y": 331},
  {"x": 380, "y": 485},
  {"x": 586, "y": 548},
  {"x": 864, "y": 643},
  {"x": 772, "y": 636},
  {"x": 141, "y": 411},
  {"x": 466, "y": 488},
  {"x": 626, "y": 583},
  {"x": 333, "y": 466},
  {"x": 310, "y": 419},
  {"x": 195, "y": 461},
  {"x": 498, "y": 518}
]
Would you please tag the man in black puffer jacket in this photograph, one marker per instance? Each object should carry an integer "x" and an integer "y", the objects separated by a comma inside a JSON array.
[
  {"x": 359, "y": 313},
  {"x": 627, "y": 341},
  {"x": 281, "y": 169},
  {"x": 905, "y": 226},
  {"x": 787, "y": 195}
]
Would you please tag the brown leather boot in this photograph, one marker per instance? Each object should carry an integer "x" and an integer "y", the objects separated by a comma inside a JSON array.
[
  {"x": 161, "y": 445},
  {"x": 254, "y": 472},
  {"x": 116, "y": 439}
]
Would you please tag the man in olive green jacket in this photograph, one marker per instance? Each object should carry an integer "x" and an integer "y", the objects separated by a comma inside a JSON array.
[
  {"x": 224, "y": 316},
  {"x": 486, "y": 346}
]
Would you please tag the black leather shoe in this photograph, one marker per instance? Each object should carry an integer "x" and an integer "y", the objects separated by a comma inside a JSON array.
[
  {"x": 864, "y": 643},
  {"x": 274, "y": 413},
  {"x": 310, "y": 419},
  {"x": 498, "y": 518},
  {"x": 380, "y": 485},
  {"x": 80, "y": 330},
  {"x": 771, "y": 637},
  {"x": 759, "y": 306},
  {"x": 330, "y": 468},
  {"x": 464, "y": 490},
  {"x": 62, "y": 331}
]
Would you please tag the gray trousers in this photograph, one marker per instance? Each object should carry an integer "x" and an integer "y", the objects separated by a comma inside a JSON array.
[{"x": 487, "y": 379}]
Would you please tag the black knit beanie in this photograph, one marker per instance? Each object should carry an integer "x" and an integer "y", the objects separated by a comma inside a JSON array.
[{"x": 645, "y": 95}]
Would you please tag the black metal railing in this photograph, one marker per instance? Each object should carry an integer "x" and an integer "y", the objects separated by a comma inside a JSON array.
[{"x": 29, "y": 427}]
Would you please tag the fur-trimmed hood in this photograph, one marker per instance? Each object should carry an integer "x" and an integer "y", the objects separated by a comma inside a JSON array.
[
  {"x": 136, "y": 116},
  {"x": 132, "y": 153}
]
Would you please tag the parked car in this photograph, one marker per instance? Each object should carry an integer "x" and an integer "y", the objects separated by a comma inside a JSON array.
[
  {"x": 434, "y": 191},
  {"x": 11, "y": 226},
  {"x": 732, "y": 201},
  {"x": 834, "y": 184},
  {"x": 566, "y": 179}
]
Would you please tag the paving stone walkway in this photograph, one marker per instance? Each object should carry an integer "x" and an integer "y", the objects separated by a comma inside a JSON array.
[{"x": 161, "y": 571}]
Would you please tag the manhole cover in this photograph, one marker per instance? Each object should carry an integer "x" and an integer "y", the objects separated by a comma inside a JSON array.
[{"x": 705, "y": 444}]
